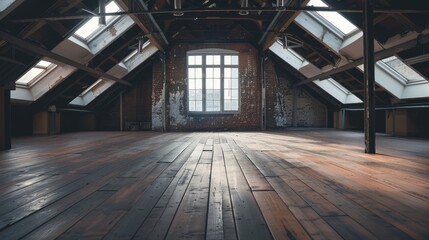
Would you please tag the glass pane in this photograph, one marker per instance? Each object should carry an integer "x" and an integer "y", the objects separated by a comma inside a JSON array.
[
  {"x": 234, "y": 60},
  {"x": 209, "y": 72},
  {"x": 227, "y": 73},
  {"x": 216, "y": 94},
  {"x": 227, "y": 94},
  {"x": 216, "y": 72},
  {"x": 227, "y": 105},
  {"x": 227, "y": 83},
  {"x": 198, "y": 60},
  {"x": 191, "y": 60},
  {"x": 404, "y": 70},
  {"x": 216, "y": 84},
  {"x": 234, "y": 72},
  {"x": 191, "y": 105},
  {"x": 209, "y": 59},
  {"x": 92, "y": 26},
  {"x": 209, "y": 84},
  {"x": 198, "y": 73},
  {"x": 234, "y": 105},
  {"x": 216, "y": 60},
  {"x": 30, "y": 75},
  {"x": 199, "y": 106},
  {"x": 199, "y": 94},
  {"x": 334, "y": 18},
  {"x": 199, "y": 84},
  {"x": 209, "y": 95},
  {"x": 191, "y": 72},
  {"x": 227, "y": 60},
  {"x": 234, "y": 94},
  {"x": 234, "y": 83},
  {"x": 191, "y": 84},
  {"x": 192, "y": 95}
]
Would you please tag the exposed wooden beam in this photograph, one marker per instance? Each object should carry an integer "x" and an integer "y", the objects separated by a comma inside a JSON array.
[
  {"x": 43, "y": 52},
  {"x": 280, "y": 22},
  {"x": 157, "y": 38},
  {"x": 423, "y": 39},
  {"x": 9, "y": 8}
]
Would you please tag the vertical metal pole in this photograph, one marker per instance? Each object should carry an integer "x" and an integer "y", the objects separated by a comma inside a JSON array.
[
  {"x": 264, "y": 102},
  {"x": 101, "y": 10},
  {"x": 343, "y": 119},
  {"x": 369, "y": 108},
  {"x": 121, "y": 119},
  {"x": 164, "y": 93}
]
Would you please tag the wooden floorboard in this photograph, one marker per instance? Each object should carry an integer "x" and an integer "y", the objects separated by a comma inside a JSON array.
[{"x": 302, "y": 184}]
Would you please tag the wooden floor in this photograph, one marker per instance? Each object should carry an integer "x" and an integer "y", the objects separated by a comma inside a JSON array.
[{"x": 313, "y": 184}]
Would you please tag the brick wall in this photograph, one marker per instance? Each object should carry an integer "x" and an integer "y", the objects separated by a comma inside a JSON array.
[
  {"x": 280, "y": 103},
  {"x": 177, "y": 114}
]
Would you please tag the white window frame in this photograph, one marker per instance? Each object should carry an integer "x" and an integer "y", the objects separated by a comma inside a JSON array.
[{"x": 206, "y": 52}]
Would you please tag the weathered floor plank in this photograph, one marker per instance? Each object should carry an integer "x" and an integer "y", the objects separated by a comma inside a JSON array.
[{"x": 313, "y": 184}]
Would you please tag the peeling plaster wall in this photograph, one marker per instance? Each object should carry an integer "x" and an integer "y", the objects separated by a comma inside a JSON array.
[{"x": 178, "y": 118}]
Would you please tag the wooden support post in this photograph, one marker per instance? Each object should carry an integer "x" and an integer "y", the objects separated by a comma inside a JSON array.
[
  {"x": 5, "y": 119},
  {"x": 164, "y": 93},
  {"x": 369, "y": 75},
  {"x": 263, "y": 89}
]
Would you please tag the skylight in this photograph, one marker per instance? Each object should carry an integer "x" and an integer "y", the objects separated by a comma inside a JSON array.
[
  {"x": 92, "y": 26},
  {"x": 334, "y": 18},
  {"x": 34, "y": 73},
  {"x": 402, "y": 69},
  {"x": 5, "y": 4}
]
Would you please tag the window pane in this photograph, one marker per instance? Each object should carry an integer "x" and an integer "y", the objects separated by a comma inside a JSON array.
[
  {"x": 234, "y": 72},
  {"x": 198, "y": 73},
  {"x": 234, "y": 83},
  {"x": 192, "y": 95},
  {"x": 209, "y": 72},
  {"x": 227, "y": 105},
  {"x": 209, "y": 84},
  {"x": 216, "y": 94},
  {"x": 216, "y": 72},
  {"x": 227, "y": 60},
  {"x": 209, "y": 59},
  {"x": 234, "y": 94},
  {"x": 199, "y": 84},
  {"x": 199, "y": 94},
  {"x": 191, "y": 60},
  {"x": 198, "y": 60},
  {"x": 234, "y": 60},
  {"x": 227, "y": 72},
  {"x": 191, "y": 72},
  {"x": 191, "y": 105},
  {"x": 216, "y": 84},
  {"x": 43, "y": 64},
  {"x": 30, "y": 75},
  {"x": 191, "y": 83},
  {"x": 234, "y": 105},
  {"x": 199, "y": 106},
  {"x": 209, "y": 95},
  {"x": 227, "y": 94},
  {"x": 216, "y": 60}
]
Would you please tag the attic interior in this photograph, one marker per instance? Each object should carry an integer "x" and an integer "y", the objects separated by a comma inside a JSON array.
[{"x": 250, "y": 119}]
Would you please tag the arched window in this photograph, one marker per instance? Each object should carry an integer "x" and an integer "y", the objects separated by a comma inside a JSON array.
[{"x": 213, "y": 81}]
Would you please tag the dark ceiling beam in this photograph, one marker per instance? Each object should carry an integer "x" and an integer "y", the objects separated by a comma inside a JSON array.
[
  {"x": 407, "y": 22},
  {"x": 205, "y": 10},
  {"x": 5, "y": 59},
  {"x": 280, "y": 22},
  {"x": 423, "y": 39},
  {"x": 141, "y": 23},
  {"x": 43, "y": 52}
]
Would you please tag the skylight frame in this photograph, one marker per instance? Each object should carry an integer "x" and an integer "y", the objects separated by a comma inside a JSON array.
[
  {"x": 329, "y": 22},
  {"x": 36, "y": 78},
  {"x": 398, "y": 74},
  {"x": 110, "y": 20}
]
